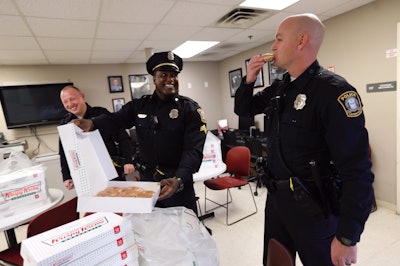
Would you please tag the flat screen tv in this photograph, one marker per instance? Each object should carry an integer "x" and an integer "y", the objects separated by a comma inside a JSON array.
[{"x": 32, "y": 105}]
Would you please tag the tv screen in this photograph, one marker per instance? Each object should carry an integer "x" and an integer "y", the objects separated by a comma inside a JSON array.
[{"x": 32, "y": 105}]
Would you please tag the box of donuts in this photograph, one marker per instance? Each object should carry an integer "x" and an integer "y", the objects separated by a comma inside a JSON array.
[
  {"x": 92, "y": 169},
  {"x": 90, "y": 240}
]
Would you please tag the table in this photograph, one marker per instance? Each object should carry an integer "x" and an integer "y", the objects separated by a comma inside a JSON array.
[{"x": 7, "y": 224}]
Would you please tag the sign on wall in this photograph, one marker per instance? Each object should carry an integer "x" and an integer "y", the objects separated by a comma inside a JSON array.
[{"x": 382, "y": 86}]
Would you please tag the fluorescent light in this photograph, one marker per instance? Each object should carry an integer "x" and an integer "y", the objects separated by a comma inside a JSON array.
[
  {"x": 192, "y": 48},
  {"x": 269, "y": 4}
]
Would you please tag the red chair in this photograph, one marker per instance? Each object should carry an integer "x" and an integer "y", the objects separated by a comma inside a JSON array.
[
  {"x": 278, "y": 255},
  {"x": 238, "y": 168},
  {"x": 57, "y": 216}
]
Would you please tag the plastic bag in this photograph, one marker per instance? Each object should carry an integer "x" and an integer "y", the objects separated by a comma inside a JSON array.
[
  {"x": 16, "y": 161},
  {"x": 173, "y": 237}
]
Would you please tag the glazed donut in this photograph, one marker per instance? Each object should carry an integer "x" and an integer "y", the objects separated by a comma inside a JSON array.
[
  {"x": 146, "y": 194},
  {"x": 126, "y": 192},
  {"x": 267, "y": 57}
]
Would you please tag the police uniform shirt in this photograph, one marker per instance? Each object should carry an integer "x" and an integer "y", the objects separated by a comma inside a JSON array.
[
  {"x": 320, "y": 119},
  {"x": 171, "y": 133}
]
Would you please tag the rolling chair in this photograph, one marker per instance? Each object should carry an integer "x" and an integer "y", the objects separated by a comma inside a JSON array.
[
  {"x": 238, "y": 168},
  {"x": 57, "y": 216}
]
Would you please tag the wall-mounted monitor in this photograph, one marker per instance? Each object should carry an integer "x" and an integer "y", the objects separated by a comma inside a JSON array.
[{"x": 32, "y": 105}]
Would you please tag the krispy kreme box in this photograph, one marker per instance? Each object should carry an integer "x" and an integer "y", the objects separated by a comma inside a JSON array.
[
  {"x": 82, "y": 239},
  {"x": 92, "y": 169},
  {"x": 23, "y": 189},
  {"x": 126, "y": 257}
]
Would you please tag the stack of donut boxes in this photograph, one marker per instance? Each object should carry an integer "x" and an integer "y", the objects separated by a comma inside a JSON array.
[{"x": 102, "y": 238}]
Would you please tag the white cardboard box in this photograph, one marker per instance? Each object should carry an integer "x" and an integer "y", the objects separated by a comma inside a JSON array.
[
  {"x": 118, "y": 249},
  {"x": 92, "y": 169},
  {"x": 67, "y": 243},
  {"x": 23, "y": 189},
  {"x": 128, "y": 256}
]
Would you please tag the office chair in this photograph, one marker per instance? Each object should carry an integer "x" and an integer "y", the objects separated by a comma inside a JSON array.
[
  {"x": 278, "y": 254},
  {"x": 228, "y": 142},
  {"x": 57, "y": 216},
  {"x": 238, "y": 167},
  {"x": 255, "y": 147}
]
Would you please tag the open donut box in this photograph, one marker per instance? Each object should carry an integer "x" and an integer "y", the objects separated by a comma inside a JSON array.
[{"x": 92, "y": 169}]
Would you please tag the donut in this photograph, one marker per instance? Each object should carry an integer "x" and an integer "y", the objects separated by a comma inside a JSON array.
[
  {"x": 267, "y": 57},
  {"x": 125, "y": 192}
]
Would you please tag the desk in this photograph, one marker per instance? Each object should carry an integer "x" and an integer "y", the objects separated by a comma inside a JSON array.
[{"x": 7, "y": 224}]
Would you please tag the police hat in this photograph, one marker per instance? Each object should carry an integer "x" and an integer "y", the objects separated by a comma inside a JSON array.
[{"x": 164, "y": 61}]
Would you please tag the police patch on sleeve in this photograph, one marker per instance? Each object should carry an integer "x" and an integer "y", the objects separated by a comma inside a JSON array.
[
  {"x": 351, "y": 103},
  {"x": 202, "y": 116}
]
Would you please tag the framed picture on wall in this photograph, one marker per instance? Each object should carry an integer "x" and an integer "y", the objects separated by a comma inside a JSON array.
[
  {"x": 115, "y": 84},
  {"x": 118, "y": 103},
  {"x": 235, "y": 77},
  {"x": 140, "y": 85},
  {"x": 260, "y": 77},
  {"x": 275, "y": 72}
]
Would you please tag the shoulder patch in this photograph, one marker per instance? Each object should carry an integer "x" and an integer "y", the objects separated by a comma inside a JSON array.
[
  {"x": 351, "y": 103},
  {"x": 202, "y": 115}
]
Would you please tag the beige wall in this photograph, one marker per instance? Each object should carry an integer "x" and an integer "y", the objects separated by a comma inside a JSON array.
[
  {"x": 355, "y": 45},
  {"x": 92, "y": 79}
]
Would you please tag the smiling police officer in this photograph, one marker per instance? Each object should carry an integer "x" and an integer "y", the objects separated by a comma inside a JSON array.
[{"x": 171, "y": 131}]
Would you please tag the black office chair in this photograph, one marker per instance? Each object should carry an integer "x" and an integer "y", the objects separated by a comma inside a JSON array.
[
  {"x": 255, "y": 147},
  {"x": 229, "y": 141}
]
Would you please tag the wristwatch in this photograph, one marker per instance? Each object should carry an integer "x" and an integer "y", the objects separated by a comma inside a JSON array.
[
  {"x": 347, "y": 242},
  {"x": 181, "y": 186}
]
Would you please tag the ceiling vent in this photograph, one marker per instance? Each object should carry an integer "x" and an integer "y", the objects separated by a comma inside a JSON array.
[{"x": 243, "y": 17}]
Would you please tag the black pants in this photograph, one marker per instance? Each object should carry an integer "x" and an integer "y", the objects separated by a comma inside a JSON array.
[
  {"x": 311, "y": 237},
  {"x": 185, "y": 198}
]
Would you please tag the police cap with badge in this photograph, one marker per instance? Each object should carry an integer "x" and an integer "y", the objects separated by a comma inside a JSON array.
[{"x": 164, "y": 61}]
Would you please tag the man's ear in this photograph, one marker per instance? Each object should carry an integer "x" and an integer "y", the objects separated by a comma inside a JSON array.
[{"x": 302, "y": 40}]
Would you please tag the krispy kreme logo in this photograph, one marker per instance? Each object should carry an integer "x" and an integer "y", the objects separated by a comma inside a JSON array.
[
  {"x": 75, "y": 159},
  {"x": 209, "y": 156},
  {"x": 22, "y": 192},
  {"x": 79, "y": 231}
]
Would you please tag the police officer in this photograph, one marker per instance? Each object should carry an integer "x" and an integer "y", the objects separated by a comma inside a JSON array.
[
  {"x": 313, "y": 117},
  {"x": 118, "y": 144},
  {"x": 171, "y": 131}
]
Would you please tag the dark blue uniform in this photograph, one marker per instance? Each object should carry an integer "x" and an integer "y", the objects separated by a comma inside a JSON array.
[
  {"x": 118, "y": 144},
  {"x": 319, "y": 118},
  {"x": 171, "y": 136}
]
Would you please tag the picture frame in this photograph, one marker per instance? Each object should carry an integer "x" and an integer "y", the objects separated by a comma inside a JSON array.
[
  {"x": 139, "y": 85},
  {"x": 115, "y": 84},
  {"x": 275, "y": 72},
  {"x": 118, "y": 103},
  {"x": 260, "y": 77},
  {"x": 235, "y": 78}
]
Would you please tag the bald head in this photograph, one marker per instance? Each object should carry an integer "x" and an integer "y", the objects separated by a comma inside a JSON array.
[{"x": 308, "y": 24}]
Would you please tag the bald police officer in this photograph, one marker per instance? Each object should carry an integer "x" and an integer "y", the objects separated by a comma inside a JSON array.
[
  {"x": 313, "y": 117},
  {"x": 171, "y": 131}
]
